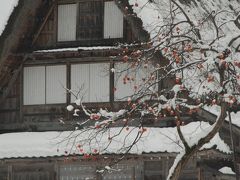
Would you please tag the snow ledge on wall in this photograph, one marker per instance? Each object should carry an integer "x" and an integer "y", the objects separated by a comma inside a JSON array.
[{"x": 77, "y": 49}]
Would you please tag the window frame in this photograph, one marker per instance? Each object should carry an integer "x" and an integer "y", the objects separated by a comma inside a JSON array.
[
  {"x": 89, "y": 83},
  {"x": 99, "y": 41},
  {"x": 57, "y": 23},
  {"x": 45, "y": 84},
  {"x": 68, "y": 65}
]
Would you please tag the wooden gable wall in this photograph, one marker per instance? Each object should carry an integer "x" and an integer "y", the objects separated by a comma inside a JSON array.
[
  {"x": 47, "y": 34},
  {"x": 10, "y": 110}
]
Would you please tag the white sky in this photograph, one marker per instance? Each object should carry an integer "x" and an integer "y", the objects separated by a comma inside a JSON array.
[{"x": 6, "y": 8}]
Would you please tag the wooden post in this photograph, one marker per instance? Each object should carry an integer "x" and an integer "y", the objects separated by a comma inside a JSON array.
[
  {"x": 56, "y": 171},
  {"x": 133, "y": 173},
  {"x": 233, "y": 148},
  {"x": 200, "y": 177},
  {"x": 21, "y": 115},
  {"x": 111, "y": 79},
  {"x": 68, "y": 75},
  {"x": 44, "y": 22},
  {"x": 10, "y": 172}
]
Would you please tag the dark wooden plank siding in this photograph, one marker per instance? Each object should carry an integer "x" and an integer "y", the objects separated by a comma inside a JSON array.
[
  {"x": 47, "y": 37},
  {"x": 3, "y": 172},
  {"x": 154, "y": 170},
  {"x": 43, "y": 171},
  {"x": 10, "y": 109}
]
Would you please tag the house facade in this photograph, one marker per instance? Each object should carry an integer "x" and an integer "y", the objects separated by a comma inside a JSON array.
[
  {"x": 54, "y": 52},
  {"x": 40, "y": 94}
]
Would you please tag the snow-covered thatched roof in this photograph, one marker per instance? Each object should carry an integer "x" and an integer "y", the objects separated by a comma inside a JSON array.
[
  {"x": 155, "y": 13},
  {"x": 154, "y": 140},
  {"x": 226, "y": 170},
  {"x": 217, "y": 22}
]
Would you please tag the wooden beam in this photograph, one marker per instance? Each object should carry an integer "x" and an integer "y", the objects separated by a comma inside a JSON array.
[
  {"x": 69, "y": 60},
  {"x": 44, "y": 22}
]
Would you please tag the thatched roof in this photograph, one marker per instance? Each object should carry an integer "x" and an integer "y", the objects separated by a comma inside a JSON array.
[{"x": 16, "y": 35}]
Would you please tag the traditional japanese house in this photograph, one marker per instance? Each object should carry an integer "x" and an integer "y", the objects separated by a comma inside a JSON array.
[{"x": 54, "y": 51}]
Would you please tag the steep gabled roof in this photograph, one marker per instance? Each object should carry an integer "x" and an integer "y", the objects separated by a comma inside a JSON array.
[{"x": 17, "y": 28}]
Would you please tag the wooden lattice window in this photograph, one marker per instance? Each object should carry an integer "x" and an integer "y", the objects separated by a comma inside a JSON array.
[{"x": 90, "y": 20}]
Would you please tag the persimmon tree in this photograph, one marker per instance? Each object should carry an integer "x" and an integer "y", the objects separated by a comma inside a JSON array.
[{"x": 192, "y": 46}]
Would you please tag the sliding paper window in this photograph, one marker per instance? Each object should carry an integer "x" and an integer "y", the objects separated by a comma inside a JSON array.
[
  {"x": 90, "y": 82},
  {"x": 113, "y": 21},
  {"x": 134, "y": 81},
  {"x": 89, "y": 20},
  {"x": 44, "y": 85},
  {"x": 67, "y": 15}
]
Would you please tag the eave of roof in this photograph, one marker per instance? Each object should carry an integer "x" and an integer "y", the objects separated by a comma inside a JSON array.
[{"x": 54, "y": 144}]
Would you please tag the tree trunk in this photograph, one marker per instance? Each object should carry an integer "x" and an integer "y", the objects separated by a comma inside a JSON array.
[{"x": 181, "y": 164}]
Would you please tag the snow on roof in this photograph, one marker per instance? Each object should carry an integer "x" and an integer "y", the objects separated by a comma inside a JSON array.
[
  {"x": 77, "y": 49},
  {"x": 148, "y": 13},
  {"x": 157, "y": 12},
  {"x": 49, "y": 144},
  {"x": 216, "y": 110},
  {"x": 226, "y": 170},
  {"x": 6, "y": 10}
]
